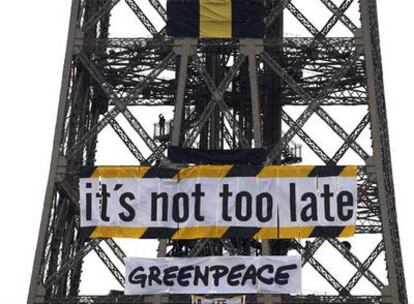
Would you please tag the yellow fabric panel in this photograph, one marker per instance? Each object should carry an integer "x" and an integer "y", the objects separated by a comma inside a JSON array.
[
  {"x": 118, "y": 232},
  {"x": 285, "y": 171},
  {"x": 349, "y": 171},
  {"x": 199, "y": 233},
  {"x": 120, "y": 172},
  {"x": 295, "y": 232},
  {"x": 215, "y": 19},
  {"x": 348, "y": 231},
  {"x": 204, "y": 171},
  {"x": 267, "y": 233}
]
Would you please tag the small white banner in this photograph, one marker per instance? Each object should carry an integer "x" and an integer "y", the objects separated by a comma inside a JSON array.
[
  {"x": 203, "y": 300},
  {"x": 214, "y": 275}
]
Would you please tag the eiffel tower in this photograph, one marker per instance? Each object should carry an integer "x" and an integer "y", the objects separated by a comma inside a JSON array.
[{"x": 310, "y": 92}]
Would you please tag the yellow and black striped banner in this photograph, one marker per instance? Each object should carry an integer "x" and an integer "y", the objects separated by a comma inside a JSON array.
[
  {"x": 117, "y": 176},
  {"x": 215, "y": 18}
]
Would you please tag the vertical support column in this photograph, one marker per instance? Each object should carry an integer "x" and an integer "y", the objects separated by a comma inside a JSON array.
[
  {"x": 36, "y": 289},
  {"x": 381, "y": 151},
  {"x": 251, "y": 48},
  {"x": 185, "y": 48}
]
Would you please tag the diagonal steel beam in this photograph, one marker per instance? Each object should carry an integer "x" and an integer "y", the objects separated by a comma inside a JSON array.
[
  {"x": 344, "y": 19},
  {"x": 306, "y": 139},
  {"x": 142, "y": 17},
  {"x": 127, "y": 141},
  {"x": 274, "y": 13},
  {"x": 157, "y": 154},
  {"x": 99, "y": 14},
  {"x": 311, "y": 249},
  {"x": 351, "y": 258},
  {"x": 72, "y": 262},
  {"x": 335, "y": 17},
  {"x": 159, "y": 8},
  {"x": 313, "y": 106},
  {"x": 109, "y": 92},
  {"x": 320, "y": 269},
  {"x": 218, "y": 92},
  {"x": 302, "y": 19},
  {"x": 113, "y": 113},
  {"x": 341, "y": 132},
  {"x": 119, "y": 253},
  {"x": 352, "y": 138},
  {"x": 217, "y": 99},
  {"x": 110, "y": 265},
  {"x": 365, "y": 265}
]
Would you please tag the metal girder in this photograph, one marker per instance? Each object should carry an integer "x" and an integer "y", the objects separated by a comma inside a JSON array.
[
  {"x": 159, "y": 8},
  {"x": 320, "y": 269},
  {"x": 113, "y": 113},
  {"x": 110, "y": 265},
  {"x": 107, "y": 88},
  {"x": 352, "y": 138},
  {"x": 365, "y": 265},
  {"x": 217, "y": 95},
  {"x": 341, "y": 132},
  {"x": 71, "y": 263},
  {"x": 306, "y": 139},
  {"x": 119, "y": 253},
  {"x": 382, "y": 156},
  {"x": 355, "y": 262},
  {"x": 336, "y": 17},
  {"x": 313, "y": 106},
  {"x": 142, "y": 17},
  {"x": 301, "y": 18},
  {"x": 157, "y": 154},
  {"x": 316, "y": 71},
  {"x": 344, "y": 19},
  {"x": 91, "y": 22},
  {"x": 180, "y": 299},
  {"x": 311, "y": 248},
  {"x": 127, "y": 141}
]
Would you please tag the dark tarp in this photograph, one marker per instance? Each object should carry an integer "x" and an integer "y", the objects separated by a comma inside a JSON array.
[
  {"x": 216, "y": 19},
  {"x": 218, "y": 157},
  {"x": 183, "y": 18},
  {"x": 248, "y": 18}
]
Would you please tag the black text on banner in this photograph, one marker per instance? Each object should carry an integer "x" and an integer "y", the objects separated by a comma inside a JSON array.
[
  {"x": 214, "y": 275},
  {"x": 268, "y": 202}
]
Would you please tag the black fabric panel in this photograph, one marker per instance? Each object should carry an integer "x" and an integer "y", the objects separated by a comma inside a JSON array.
[
  {"x": 219, "y": 157},
  {"x": 154, "y": 172},
  {"x": 325, "y": 171},
  {"x": 244, "y": 171},
  {"x": 159, "y": 233},
  {"x": 183, "y": 18},
  {"x": 85, "y": 232},
  {"x": 248, "y": 11},
  {"x": 86, "y": 171},
  {"x": 241, "y": 232},
  {"x": 248, "y": 18},
  {"x": 248, "y": 30},
  {"x": 330, "y": 231}
]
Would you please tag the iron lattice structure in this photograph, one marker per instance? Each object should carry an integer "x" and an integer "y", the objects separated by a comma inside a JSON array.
[{"x": 227, "y": 94}]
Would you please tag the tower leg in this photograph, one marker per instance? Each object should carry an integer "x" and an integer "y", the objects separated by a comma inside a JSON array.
[
  {"x": 36, "y": 288},
  {"x": 381, "y": 159}
]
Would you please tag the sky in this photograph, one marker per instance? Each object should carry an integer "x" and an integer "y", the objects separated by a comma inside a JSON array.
[{"x": 32, "y": 52}]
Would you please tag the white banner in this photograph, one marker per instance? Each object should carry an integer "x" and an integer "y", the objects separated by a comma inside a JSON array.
[
  {"x": 287, "y": 199},
  {"x": 204, "y": 300},
  {"x": 214, "y": 275}
]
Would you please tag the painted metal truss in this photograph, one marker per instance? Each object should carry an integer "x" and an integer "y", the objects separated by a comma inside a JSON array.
[{"x": 222, "y": 104}]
